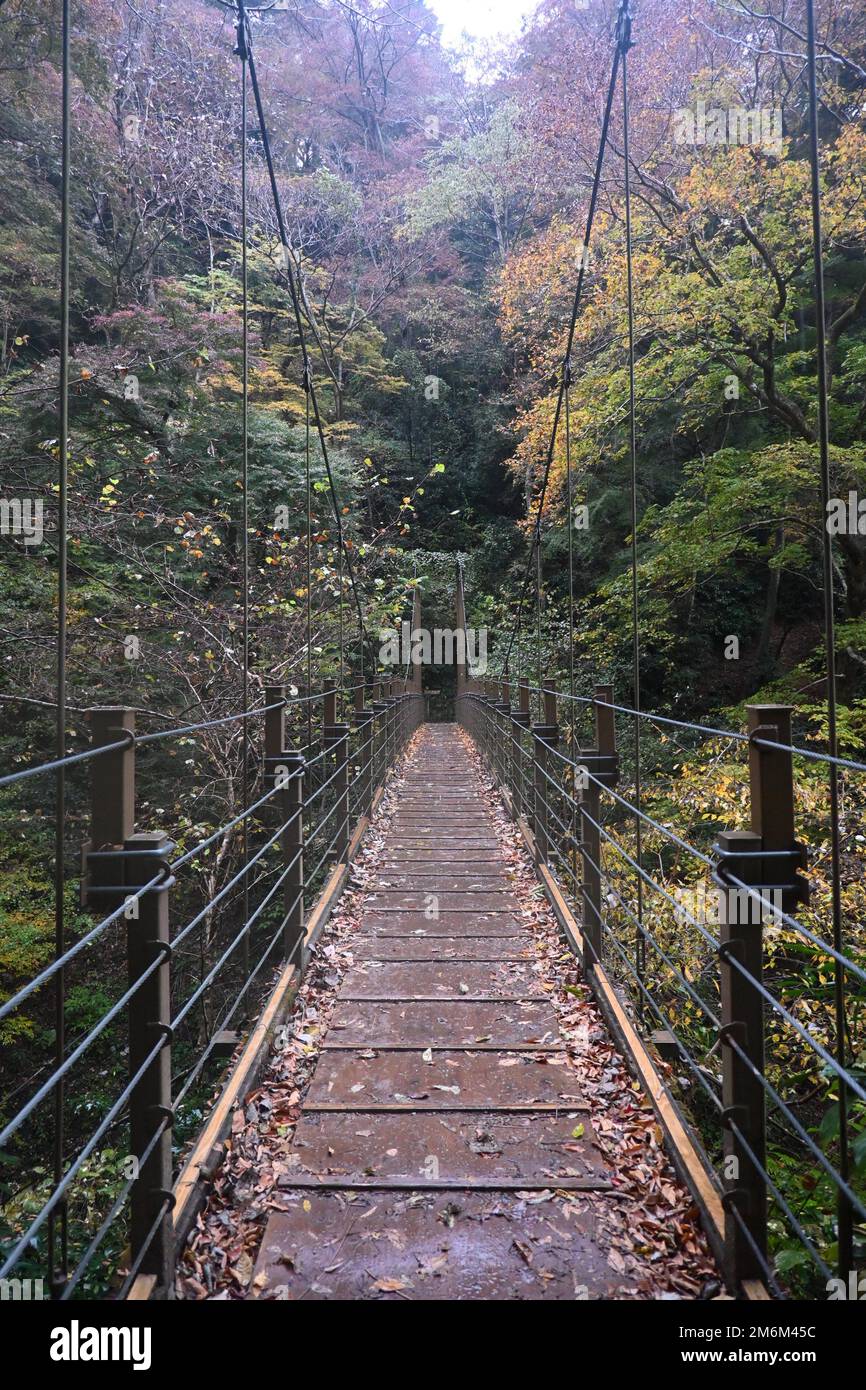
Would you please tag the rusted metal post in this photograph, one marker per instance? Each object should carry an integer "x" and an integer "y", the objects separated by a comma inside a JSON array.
[
  {"x": 336, "y": 740},
  {"x": 147, "y": 940},
  {"x": 387, "y": 731},
  {"x": 112, "y": 801},
  {"x": 380, "y": 737},
  {"x": 112, "y": 777},
  {"x": 545, "y": 737},
  {"x": 117, "y": 865},
  {"x": 503, "y": 732},
  {"x": 408, "y": 717},
  {"x": 771, "y": 781},
  {"x": 742, "y": 1037},
  {"x": 364, "y": 735},
  {"x": 590, "y": 857},
  {"x": 765, "y": 859},
  {"x": 417, "y": 682},
  {"x": 605, "y": 721},
  {"x": 490, "y": 734},
  {"x": 511, "y": 755},
  {"x": 391, "y": 727},
  {"x": 597, "y": 761},
  {"x": 292, "y": 840},
  {"x": 284, "y": 770},
  {"x": 329, "y": 702},
  {"x": 394, "y": 722},
  {"x": 275, "y": 721},
  {"x": 522, "y": 720}
]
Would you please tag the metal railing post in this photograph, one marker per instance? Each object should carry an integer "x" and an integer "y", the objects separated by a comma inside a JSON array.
[
  {"x": 544, "y": 738},
  {"x": 385, "y": 736},
  {"x": 380, "y": 736},
  {"x": 284, "y": 769},
  {"x": 521, "y": 719},
  {"x": 510, "y": 768},
  {"x": 743, "y": 1117},
  {"x": 393, "y": 706},
  {"x": 364, "y": 731},
  {"x": 503, "y": 734},
  {"x": 292, "y": 840},
  {"x": 112, "y": 798},
  {"x": 490, "y": 730},
  {"x": 147, "y": 941},
  {"x": 590, "y": 821},
  {"x": 275, "y": 722},
  {"x": 336, "y": 740},
  {"x": 117, "y": 864},
  {"x": 766, "y": 859}
]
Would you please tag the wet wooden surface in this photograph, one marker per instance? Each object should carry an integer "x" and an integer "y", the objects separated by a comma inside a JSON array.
[{"x": 441, "y": 1106}]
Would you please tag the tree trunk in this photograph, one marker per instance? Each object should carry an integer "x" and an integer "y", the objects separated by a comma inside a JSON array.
[{"x": 771, "y": 603}]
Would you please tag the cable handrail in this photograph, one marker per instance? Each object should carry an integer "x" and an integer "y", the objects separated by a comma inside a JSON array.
[
  {"x": 540, "y": 780},
  {"x": 756, "y": 740},
  {"x": 779, "y": 915},
  {"x": 362, "y": 756},
  {"x": 132, "y": 739}
]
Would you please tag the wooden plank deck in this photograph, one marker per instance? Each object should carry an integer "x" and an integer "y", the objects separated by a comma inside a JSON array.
[{"x": 441, "y": 1107}]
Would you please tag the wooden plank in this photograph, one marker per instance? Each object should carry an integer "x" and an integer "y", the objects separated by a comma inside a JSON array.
[
  {"x": 571, "y": 1107},
  {"x": 142, "y": 1287},
  {"x": 755, "y": 1291},
  {"x": 328, "y": 1184}
]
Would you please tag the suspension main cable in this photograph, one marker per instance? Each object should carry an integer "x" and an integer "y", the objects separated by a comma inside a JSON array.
[
  {"x": 294, "y": 293},
  {"x": 245, "y": 471},
  {"x": 58, "y": 1232},
  {"x": 308, "y": 558},
  {"x": 625, "y": 44},
  {"x": 578, "y": 296},
  {"x": 844, "y": 1214}
]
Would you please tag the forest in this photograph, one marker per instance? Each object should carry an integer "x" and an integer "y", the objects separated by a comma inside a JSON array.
[{"x": 435, "y": 203}]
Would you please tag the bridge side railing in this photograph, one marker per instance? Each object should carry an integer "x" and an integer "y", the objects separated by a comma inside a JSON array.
[
  {"x": 97, "y": 1198},
  {"x": 703, "y": 989}
]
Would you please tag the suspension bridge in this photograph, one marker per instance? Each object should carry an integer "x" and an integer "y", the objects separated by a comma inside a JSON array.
[{"x": 510, "y": 1007}]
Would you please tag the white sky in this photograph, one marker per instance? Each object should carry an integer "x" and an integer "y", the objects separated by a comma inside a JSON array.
[{"x": 480, "y": 18}]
